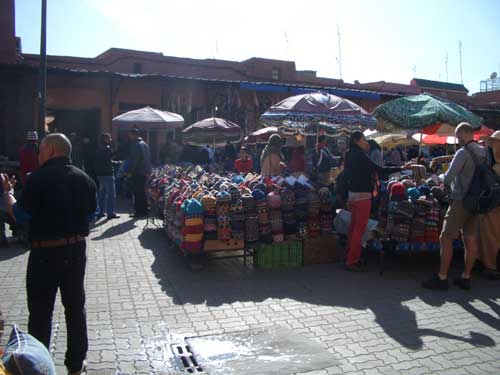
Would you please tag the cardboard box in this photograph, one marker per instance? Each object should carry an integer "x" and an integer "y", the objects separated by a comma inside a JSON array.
[{"x": 324, "y": 249}]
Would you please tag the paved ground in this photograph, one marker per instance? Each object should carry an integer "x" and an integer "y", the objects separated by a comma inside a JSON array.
[{"x": 141, "y": 298}]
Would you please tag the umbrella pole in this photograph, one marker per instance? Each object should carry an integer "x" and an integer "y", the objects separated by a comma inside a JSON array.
[
  {"x": 420, "y": 143},
  {"x": 317, "y": 135}
]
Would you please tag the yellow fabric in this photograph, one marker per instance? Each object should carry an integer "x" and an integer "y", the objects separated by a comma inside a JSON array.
[
  {"x": 193, "y": 237},
  {"x": 3, "y": 371},
  {"x": 193, "y": 222}
]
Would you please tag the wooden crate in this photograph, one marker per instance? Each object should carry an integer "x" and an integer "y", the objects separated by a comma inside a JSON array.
[
  {"x": 219, "y": 245},
  {"x": 324, "y": 249}
]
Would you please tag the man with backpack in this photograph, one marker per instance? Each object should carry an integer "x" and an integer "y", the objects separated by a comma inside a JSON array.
[{"x": 458, "y": 219}]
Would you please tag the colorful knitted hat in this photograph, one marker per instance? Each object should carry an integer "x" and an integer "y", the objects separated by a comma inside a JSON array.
[
  {"x": 413, "y": 193},
  {"x": 259, "y": 195},
  {"x": 235, "y": 193},
  {"x": 192, "y": 207},
  {"x": 398, "y": 192},
  {"x": 274, "y": 200},
  {"x": 223, "y": 196}
]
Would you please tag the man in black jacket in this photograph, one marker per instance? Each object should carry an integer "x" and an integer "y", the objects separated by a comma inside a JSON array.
[
  {"x": 139, "y": 169},
  {"x": 59, "y": 201},
  {"x": 104, "y": 170}
]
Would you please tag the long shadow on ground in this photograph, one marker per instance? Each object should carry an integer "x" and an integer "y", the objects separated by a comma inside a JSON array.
[{"x": 229, "y": 281}]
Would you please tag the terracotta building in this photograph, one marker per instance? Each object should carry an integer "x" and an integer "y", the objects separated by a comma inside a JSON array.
[{"x": 84, "y": 94}]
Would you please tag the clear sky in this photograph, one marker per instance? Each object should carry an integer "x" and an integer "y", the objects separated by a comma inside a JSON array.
[{"x": 391, "y": 40}]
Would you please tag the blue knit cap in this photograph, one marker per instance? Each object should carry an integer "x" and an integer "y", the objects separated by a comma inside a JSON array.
[
  {"x": 192, "y": 207},
  {"x": 413, "y": 193},
  {"x": 425, "y": 190},
  {"x": 237, "y": 180},
  {"x": 259, "y": 195}
]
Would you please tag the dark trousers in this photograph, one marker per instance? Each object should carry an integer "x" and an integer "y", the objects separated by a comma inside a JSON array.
[
  {"x": 50, "y": 269},
  {"x": 139, "y": 189}
]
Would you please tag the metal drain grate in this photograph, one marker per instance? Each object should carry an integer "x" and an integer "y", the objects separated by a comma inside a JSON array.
[{"x": 186, "y": 359}]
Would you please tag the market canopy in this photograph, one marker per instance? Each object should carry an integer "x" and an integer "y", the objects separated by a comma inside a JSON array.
[
  {"x": 212, "y": 131},
  {"x": 261, "y": 135},
  {"x": 392, "y": 139},
  {"x": 445, "y": 134},
  {"x": 420, "y": 111},
  {"x": 317, "y": 112},
  {"x": 148, "y": 118}
]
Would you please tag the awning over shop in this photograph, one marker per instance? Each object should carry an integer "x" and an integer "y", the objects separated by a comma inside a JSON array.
[{"x": 264, "y": 87}]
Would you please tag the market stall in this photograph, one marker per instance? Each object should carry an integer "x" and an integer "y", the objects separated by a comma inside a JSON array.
[
  {"x": 315, "y": 113},
  {"x": 281, "y": 221},
  {"x": 420, "y": 111}
]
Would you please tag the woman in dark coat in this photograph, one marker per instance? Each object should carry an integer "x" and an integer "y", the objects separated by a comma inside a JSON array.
[{"x": 359, "y": 172}]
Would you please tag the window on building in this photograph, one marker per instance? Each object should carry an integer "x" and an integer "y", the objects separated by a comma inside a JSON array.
[
  {"x": 137, "y": 68},
  {"x": 275, "y": 74}
]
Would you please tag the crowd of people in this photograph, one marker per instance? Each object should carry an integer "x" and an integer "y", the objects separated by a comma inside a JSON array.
[{"x": 59, "y": 201}]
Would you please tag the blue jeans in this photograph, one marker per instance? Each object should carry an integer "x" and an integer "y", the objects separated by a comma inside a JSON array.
[{"x": 107, "y": 195}]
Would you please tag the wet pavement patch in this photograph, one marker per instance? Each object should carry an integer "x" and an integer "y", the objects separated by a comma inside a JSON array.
[{"x": 277, "y": 351}]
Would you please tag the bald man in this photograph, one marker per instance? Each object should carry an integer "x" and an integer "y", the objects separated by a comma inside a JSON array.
[{"x": 58, "y": 201}]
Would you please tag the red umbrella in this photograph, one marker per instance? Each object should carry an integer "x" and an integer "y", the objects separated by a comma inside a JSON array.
[
  {"x": 483, "y": 132},
  {"x": 441, "y": 134}
]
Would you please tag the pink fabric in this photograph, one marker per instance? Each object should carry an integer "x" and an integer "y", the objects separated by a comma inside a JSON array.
[{"x": 360, "y": 213}]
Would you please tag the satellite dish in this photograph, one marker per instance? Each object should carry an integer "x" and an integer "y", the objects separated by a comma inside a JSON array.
[{"x": 493, "y": 75}]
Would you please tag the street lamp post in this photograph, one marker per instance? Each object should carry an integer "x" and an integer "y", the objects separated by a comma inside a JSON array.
[{"x": 42, "y": 85}]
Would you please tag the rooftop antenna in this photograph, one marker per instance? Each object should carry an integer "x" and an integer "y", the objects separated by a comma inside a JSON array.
[
  {"x": 340, "y": 52},
  {"x": 414, "y": 70},
  {"x": 216, "y": 48},
  {"x": 460, "y": 54},
  {"x": 287, "y": 49},
  {"x": 446, "y": 65}
]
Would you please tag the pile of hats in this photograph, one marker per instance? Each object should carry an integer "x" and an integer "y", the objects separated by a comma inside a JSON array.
[
  {"x": 265, "y": 230},
  {"x": 418, "y": 224},
  {"x": 313, "y": 216},
  {"x": 274, "y": 203},
  {"x": 301, "y": 210},
  {"x": 223, "y": 210},
  {"x": 193, "y": 229},
  {"x": 432, "y": 222},
  {"x": 251, "y": 218},
  {"x": 288, "y": 212},
  {"x": 237, "y": 214},
  {"x": 179, "y": 219},
  {"x": 326, "y": 214},
  {"x": 399, "y": 219},
  {"x": 209, "y": 204}
]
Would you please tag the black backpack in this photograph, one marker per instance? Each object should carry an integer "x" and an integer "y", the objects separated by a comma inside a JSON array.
[{"x": 483, "y": 194}]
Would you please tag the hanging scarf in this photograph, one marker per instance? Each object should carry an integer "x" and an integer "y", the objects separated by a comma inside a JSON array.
[{"x": 273, "y": 147}]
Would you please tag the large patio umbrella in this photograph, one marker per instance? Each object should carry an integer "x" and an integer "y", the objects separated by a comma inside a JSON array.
[
  {"x": 420, "y": 111},
  {"x": 317, "y": 112},
  {"x": 261, "y": 135},
  {"x": 148, "y": 118},
  {"x": 212, "y": 131},
  {"x": 445, "y": 134},
  {"x": 386, "y": 140}
]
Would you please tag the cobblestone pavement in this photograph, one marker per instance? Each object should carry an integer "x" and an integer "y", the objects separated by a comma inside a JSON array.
[{"x": 141, "y": 298}]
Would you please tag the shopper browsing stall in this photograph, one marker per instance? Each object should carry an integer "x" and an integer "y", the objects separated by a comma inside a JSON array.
[
  {"x": 360, "y": 177},
  {"x": 244, "y": 164},
  {"x": 458, "y": 221},
  {"x": 272, "y": 160}
]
